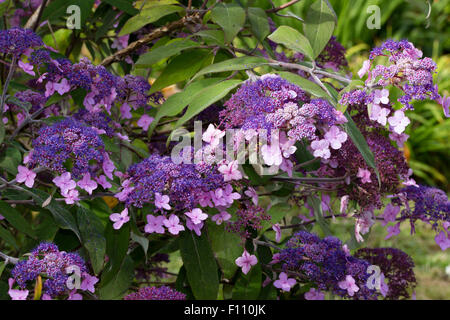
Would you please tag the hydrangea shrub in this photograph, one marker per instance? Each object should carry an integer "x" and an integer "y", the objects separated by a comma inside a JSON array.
[{"x": 210, "y": 134}]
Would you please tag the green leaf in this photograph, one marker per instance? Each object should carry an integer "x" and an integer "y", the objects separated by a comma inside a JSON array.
[
  {"x": 143, "y": 241},
  {"x": 206, "y": 97},
  {"x": 181, "y": 68},
  {"x": 242, "y": 63},
  {"x": 292, "y": 39},
  {"x": 201, "y": 267},
  {"x": 303, "y": 83},
  {"x": 226, "y": 247},
  {"x": 8, "y": 237},
  {"x": 259, "y": 22},
  {"x": 120, "y": 283},
  {"x": 2, "y": 132},
  {"x": 5, "y": 6},
  {"x": 212, "y": 36},
  {"x": 231, "y": 17},
  {"x": 248, "y": 286},
  {"x": 116, "y": 249},
  {"x": 123, "y": 5},
  {"x": 2, "y": 267},
  {"x": 319, "y": 25},
  {"x": 63, "y": 218},
  {"x": 15, "y": 219},
  {"x": 177, "y": 102},
  {"x": 276, "y": 212},
  {"x": 316, "y": 204},
  {"x": 108, "y": 21},
  {"x": 360, "y": 143},
  {"x": 148, "y": 16},
  {"x": 57, "y": 10},
  {"x": 92, "y": 238},
  {"x": 146, "y": 4},
  {"x": 169, "y": 49}
]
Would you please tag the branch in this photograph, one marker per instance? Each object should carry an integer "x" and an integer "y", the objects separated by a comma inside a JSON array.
[
  {"x": 287, "y": 65},
  {"x": 155, "y": 34},
  {"x": 8, "y": 259},
  {"x": 266, "y": 244},
  {"x": 283, "y": 6},
  {"x": 5, "y": 87},
  {"x": 297, "y": 225},
  {"x": 33, "y": 22},
  {"x": 310, "y": 179},
  {"x": 29, "y": 119}
]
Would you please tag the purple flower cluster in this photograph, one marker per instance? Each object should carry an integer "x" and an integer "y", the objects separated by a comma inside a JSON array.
[
  {"x": 104, "y": 89},
  {"x": 356, "y": 98},
  {"x": 333, "y": 56},
  {"x": 397, "y": 267},
  {"x": 156, "y": 293},
  {"x": 183, "y": 183},
  {"x": 407, "y": 70},
  {"x": 35, "y": 99},
  {"x": 325, "y": 263},
  {"x": 272, "y": 103},
  {"x": 248, "y": 218},
  {"x": 22, "y": 11},
  {"x": 135, "y": 88},
  {"x": 48, "y": 262},
  {"x": 249, "y": 106},
  {"x": 17, "y": 41},
  {"x": 389, "y": 160},
  {"x": 98, "y": 120},
  {"x": 430, "y": 204},
  {"x": 69, "y": 143},
  {"x": 40, "y": 57}
]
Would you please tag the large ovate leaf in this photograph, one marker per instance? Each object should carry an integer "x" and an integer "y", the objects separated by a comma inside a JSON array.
[
  {"x": 169, "y": 49},
  {"x": 92, "y": 238},
  {"x": 148, "y": 16},
  {"x": 10, "y": 159},
  {"x": 181, "y": 68},
  {"x": 276, "y": 212},
  {"x": 120, "y": 283},
  {"x": 303, "y": 83},
  {"x": 316, "y": 204},
  {"x": 206, "y": 97},
  {"x": 259, "y": 22},
  {"x": 212, "y": 36},
  {"x": 226, "y": 248},
  {"x": 248, "y": 286},
  {"x": 319, "y": 25},
  {"x": 56, "y": 10},
  {"x": 292, "y": 39},
  {"x": 230, "y": 16},
  {"x": 242, "y": 63},
  {"x": 2, "y": 131},
  {"x": 201, "y": 267},
  {"x": 8, "y": 237},
  {"x": 360, "y": 143},
  {"x": 63, "y": 217},
  {"x": 123, "y": 5},
  {"x": 15, "y": 219},
  {"x": 178, "y": 101},
  {"x": 116, "y": 249}
]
